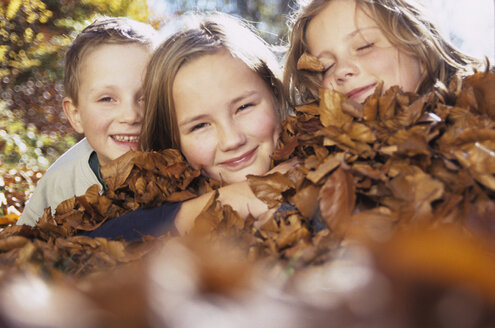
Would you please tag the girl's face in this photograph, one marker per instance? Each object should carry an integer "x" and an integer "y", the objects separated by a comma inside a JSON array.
[
  {"x": 226, "y": 117},
  {"x": 356, "y": 54}
]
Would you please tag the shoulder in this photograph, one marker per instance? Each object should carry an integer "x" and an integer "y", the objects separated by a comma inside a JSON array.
[
  {"x": 69, "y": 176},
  {"x": 79, "y": 152}
]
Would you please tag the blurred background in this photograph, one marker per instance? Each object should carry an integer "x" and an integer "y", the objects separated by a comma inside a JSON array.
[{"x": 35, "y": 33}]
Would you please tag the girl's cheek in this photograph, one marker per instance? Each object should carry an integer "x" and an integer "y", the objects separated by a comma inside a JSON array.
[
  {"x": 263, "y": 124},
  {"x": 199, "y": 150}
]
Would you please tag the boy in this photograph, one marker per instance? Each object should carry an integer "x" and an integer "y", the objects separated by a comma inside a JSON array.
[{"x": 104, "y": 68}]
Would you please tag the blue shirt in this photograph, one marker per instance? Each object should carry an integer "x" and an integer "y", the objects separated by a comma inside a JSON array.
[{"x": 134, "y": 225}]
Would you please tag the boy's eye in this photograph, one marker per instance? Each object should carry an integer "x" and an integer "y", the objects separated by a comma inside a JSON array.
[
  {"x": 366, "y": 46},
  {"x": 198, "y": 126},
  {"x": 105, "y": 99}
]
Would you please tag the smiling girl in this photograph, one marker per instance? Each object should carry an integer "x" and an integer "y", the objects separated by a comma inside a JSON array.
[
  {"x": 361, "y": 43},
  {"x": 212, "y": 90}
]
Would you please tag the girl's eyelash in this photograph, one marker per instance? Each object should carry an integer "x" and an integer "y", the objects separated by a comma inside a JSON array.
[
  {"x": 198, "y": 126},
  {"x": 369, "y": 45},
  {"x": 327, "y": 69},
  {"x": 244, "y": 106}
]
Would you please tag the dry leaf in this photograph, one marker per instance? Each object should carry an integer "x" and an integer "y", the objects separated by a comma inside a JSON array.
[{"x": 310, "y": 63}]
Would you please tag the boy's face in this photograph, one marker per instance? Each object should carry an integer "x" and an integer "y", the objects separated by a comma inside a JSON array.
[
  {"x": 356, "y": 54},
  {"x": 110, "y": 99}
]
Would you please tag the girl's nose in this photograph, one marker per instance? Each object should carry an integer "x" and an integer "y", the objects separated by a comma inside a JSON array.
[
  {"x": 230, "y": 137},
  {"x": 345, "y": 70}
]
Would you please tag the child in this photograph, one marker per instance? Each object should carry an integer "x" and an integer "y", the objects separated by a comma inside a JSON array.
[
  {"x": 362, "y": 42},
  {"x": 104, "y": 67},
  {"x": 213, "y": 91}
]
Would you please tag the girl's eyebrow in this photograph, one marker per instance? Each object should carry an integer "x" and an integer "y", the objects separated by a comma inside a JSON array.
[
  {"x": 348, "y": 37},
  {"x": 359, "y": 30},
  {"x": 192, "y": 119},
  {"x": 243, "y": 96}
]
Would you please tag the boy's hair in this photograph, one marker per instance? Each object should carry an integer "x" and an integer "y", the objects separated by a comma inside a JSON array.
[
  {"x": 201, "y": 34},
  {"x": 406, "y": 26},
  {"x": 104, "y": 30}
]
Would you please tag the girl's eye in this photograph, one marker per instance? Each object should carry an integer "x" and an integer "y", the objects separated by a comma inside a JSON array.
[
  {"x": 140, "y": 100},
  {"x": 367, "y": 46},
  {"x": 243, "y": 107},
  {"x": 327, "y": 69},
  {"x": 198, "y": 126}
]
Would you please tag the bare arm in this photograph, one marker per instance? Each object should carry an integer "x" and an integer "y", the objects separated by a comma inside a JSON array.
[{"x": 238, "y": 195}]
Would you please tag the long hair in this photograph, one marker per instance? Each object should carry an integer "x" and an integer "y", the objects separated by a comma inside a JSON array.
[
  {"x": 406, "y": 25},
  {"x": 202, "y": 34}
]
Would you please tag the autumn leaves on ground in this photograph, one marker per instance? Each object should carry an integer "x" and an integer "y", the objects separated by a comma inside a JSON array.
[{"x": 388, "y": 221}]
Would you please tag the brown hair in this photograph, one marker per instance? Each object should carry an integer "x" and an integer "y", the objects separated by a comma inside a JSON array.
[
  {"x": 406, "y": 26},
  {"x": 201, "y": 34},
  {"x": 104, "y": 30}
]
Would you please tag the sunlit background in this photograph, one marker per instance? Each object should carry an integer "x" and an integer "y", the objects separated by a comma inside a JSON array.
[{"x": 468, "y": 23}]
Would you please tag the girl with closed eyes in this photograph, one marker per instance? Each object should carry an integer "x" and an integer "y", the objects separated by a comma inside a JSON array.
[{"x": 361, "y": 43}]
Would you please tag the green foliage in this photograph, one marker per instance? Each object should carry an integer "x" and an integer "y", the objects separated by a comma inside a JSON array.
[
  {"x": 34, "y": 132},
  {"x": 25, "y": 146}
]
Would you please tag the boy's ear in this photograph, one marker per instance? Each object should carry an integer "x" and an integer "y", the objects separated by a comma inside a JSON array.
[{"x": 72, "y": 114}]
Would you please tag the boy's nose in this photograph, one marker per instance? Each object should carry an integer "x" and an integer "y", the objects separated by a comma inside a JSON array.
[
  {"x": 230, "y": 137},
  {"x": 131, "y": 113}
]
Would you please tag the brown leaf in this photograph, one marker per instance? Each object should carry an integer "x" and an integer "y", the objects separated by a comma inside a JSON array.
[
  {"x": 92, "y": 194},
  {"x": 269, "y": 188},
  {"x": 116, "y": 172},
  {"x": 337, "y": 199},
  {"x": 286, "y": 151},
  {"x": 306, "y": 200},
  {"x": 352, "y": 108},
  {"x": 291, "y": 232},
  {"x": 12, "y": 242},
  {"x": 209, "y": 218},
  {"x": 387, "y": 104},
  {"x": 359, "y": 132},
  {"x": 419, "y": 190},
  {"x": 66, "y": 206},
  {"x": 311, "y": 109},
  {"x": 438, "y": 257},
  {"x": 310, "y": 63},
  {"x": 329, "y": 164},
  {"x": 331, "y": 113},
  {"x": 375, "y": 224},
  {"x": 478, "y": 94}
]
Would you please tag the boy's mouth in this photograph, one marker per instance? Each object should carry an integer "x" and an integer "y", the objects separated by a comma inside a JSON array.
[{"x": 126, "y": 138}]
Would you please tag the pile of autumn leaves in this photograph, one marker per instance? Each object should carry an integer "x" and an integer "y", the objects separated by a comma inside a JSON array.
[{"x": 368, "y": 172}]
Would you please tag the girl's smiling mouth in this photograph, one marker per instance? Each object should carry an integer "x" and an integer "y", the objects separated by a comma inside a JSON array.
[
  {"x": 354, "y": 94},
  {"x": 241, "y": 161}
]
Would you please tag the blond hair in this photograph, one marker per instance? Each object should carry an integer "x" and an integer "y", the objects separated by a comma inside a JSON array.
[
  {"x": 406, "y": 26},
  {"x": 201, "y": 34},
  {"x": 104, "y": 30}
]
